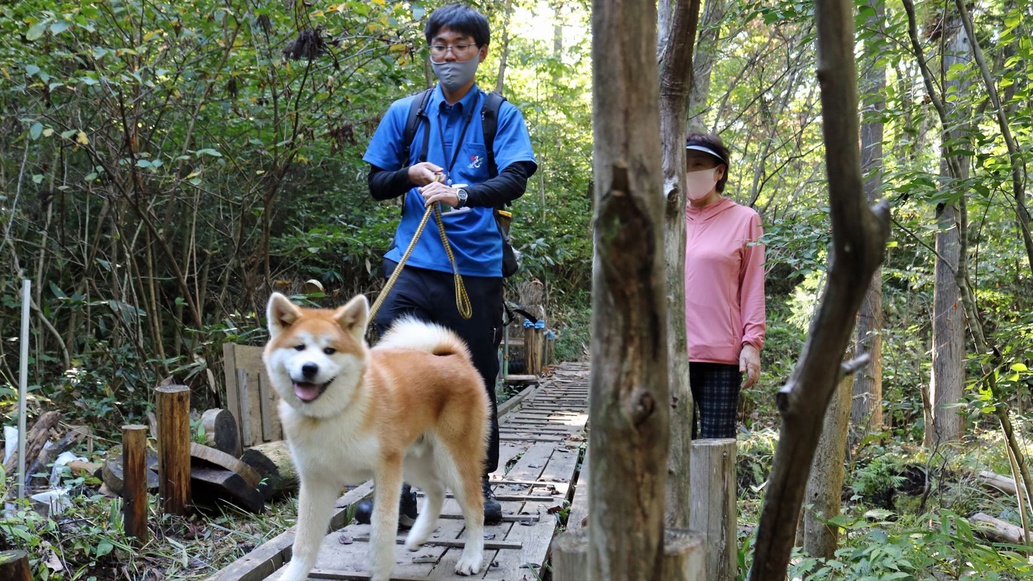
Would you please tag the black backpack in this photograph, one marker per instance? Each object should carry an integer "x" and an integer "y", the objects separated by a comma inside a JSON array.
[{"x": 489, "y": 125}]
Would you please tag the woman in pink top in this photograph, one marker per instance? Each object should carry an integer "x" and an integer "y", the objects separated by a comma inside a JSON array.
[{"x": 724, "y": 289}]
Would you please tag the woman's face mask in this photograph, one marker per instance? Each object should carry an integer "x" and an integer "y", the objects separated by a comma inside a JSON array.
[{"x": 701, "y": 182}]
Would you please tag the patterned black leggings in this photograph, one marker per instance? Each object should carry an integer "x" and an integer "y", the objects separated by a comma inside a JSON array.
[{"x": 715, "y": 393}]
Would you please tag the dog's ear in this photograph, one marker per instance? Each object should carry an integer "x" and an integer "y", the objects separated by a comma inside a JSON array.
[
  {"x": 353, "y": 317},
  {"x": 281, "y": 313}
]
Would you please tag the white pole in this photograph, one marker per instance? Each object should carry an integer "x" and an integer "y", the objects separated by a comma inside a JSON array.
[{"x": 23, "y": 383}]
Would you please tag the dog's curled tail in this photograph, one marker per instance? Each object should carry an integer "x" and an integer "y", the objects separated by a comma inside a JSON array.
[{"x": 412, "y": 333}]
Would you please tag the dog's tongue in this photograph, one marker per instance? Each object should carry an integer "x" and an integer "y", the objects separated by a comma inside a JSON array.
[{"x": 306, "y": 391}]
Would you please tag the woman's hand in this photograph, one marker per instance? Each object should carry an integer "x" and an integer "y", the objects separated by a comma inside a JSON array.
[{"x": 749, "y": 363}]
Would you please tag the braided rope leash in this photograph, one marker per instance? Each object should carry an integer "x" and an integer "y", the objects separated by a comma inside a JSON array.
[{"x": 462, "y": 298}]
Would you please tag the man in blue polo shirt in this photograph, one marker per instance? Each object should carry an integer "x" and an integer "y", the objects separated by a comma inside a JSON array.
[{"x": 455, "y": 174}]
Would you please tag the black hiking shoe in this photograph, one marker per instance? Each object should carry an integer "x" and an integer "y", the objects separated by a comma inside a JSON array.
[
  {"x": 406, "y": 509},
  {"x": 492, "y": 508}
]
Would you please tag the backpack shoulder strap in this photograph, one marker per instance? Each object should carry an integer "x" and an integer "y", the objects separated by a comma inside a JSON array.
[
  {"x": 417, "y": 112},
  {"x": 490, "y": 126}
]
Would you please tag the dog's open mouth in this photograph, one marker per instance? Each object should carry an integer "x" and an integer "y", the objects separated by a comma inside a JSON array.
[{"x": 309, "y": 392}]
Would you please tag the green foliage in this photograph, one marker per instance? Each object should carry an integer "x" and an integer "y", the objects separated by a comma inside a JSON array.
[
  {"x": 881, "y": 474},
  {"x": 928, "y": 546},
  {"x": 574, "y": 324},
  {"x": 84, "y": 540}
]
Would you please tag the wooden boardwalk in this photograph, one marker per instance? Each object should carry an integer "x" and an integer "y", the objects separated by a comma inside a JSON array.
[{"x": 542, "y": 434}]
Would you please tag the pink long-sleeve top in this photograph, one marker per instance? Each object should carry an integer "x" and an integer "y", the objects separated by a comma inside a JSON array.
[{"x": 724, "y": 281}]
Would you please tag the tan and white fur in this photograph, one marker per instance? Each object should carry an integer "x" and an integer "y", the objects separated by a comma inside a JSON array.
[{"x": 413, "y": 408}]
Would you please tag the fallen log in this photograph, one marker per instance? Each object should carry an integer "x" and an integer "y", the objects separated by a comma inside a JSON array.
[
  {"x": 272, "y": 461},
  {"x": 45, "y": 459},
  {"x": 34, "y": 441},
  {"x": 201, "y": 455},
  {"x": 994, "y": 529},
  {"x": 220, "y": 431},
  {"x": 211, "y": 486},
  {"x": 998, "y": 481}
]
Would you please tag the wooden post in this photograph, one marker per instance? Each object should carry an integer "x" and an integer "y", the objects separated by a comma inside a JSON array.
[
  {"x": 14, "y": 566},
  {"x": 532, "y": 350},
  {"x": 683, "y": 556},
  {"x": 134, "y": 471},
  {"x": 174, "y": 448},
  {"x": 713, "y": 510}
]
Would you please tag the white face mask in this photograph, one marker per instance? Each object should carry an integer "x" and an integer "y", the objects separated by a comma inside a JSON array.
[
  {"x": 699, "y": 183},
  {"x": 456, "y": 74}
]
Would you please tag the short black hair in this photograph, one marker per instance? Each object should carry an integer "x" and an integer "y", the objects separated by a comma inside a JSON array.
[
  {"x": 714, "y": 143},
  {"x": 461, "y": 18}
]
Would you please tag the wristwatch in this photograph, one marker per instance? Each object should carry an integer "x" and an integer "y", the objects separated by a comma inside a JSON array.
[{"x": 462, "y": 195}]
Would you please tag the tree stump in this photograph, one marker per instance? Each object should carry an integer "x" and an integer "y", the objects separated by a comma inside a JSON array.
[
  {"x": 684, "y": 553},
  {"x": 713, "y": 511},
  {"x": 274, "y": 464},
  {"x": 14, "y": 566},
  {"x": 220, "y": 431}
]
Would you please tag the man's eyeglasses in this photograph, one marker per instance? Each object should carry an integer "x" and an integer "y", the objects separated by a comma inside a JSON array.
[{"x": 459, "y": 50}]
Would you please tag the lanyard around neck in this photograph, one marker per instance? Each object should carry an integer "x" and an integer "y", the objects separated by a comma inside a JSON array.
[{"x": 459, "y": 143}]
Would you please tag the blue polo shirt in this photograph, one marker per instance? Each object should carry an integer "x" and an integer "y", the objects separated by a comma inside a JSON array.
[{"x": 476, "y": 242}]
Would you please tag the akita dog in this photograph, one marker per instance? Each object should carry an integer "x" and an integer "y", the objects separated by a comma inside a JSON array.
[{"x": 412, "y": 408}]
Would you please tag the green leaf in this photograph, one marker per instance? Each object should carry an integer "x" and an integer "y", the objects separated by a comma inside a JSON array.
[
  {"x": 104, "y": 548},
  {"x": 36, "y": 130},
  {"x": 1020, "y": 367},
  {"x": 59, "y": 27},
  {"x": 31, "y": 70},
  {"x": 36, "y": 31}
]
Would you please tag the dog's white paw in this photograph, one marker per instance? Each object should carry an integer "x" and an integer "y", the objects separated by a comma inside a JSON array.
[
  {"x": 294, "y": 572},
  {"x": 419, "y": 534},
  {"x": 469, "y": 562}
]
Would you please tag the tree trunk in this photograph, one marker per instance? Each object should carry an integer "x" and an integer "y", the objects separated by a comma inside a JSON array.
[
  {"x": 948, "y": 369},
  {"x": 866, "y": 409},
  {"x": 629, "y": 398},
  {"x": 677, "y": 29},
  {"x": 825, "y": 486},
  {"x": 703, "y": 63},
  {"x": 1018, "y": 171},
  {"x": 858, "y": 237},
  {"x": 948, "y": 350},
  {"x": 503, "y": 50}
]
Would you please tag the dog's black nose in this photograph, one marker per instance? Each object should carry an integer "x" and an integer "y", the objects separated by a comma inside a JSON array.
[{"x": 309, "y": 370}]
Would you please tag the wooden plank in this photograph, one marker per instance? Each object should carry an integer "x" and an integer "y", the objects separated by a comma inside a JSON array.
[
  {"x": 535, "y": 539},
  {"x": 452, "y": 543},
  {"x": 249, "y": 359},
  {"x": 515, "y": 402},
  {"x": 578, "y": 515},
  {"x": 271, "y": 429},
  {"x": 526, "y": 437},
  {"x": 247, "y": 438},
  {"x": 269, "y": 557},
  {"x": 229, "y": 364}
]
